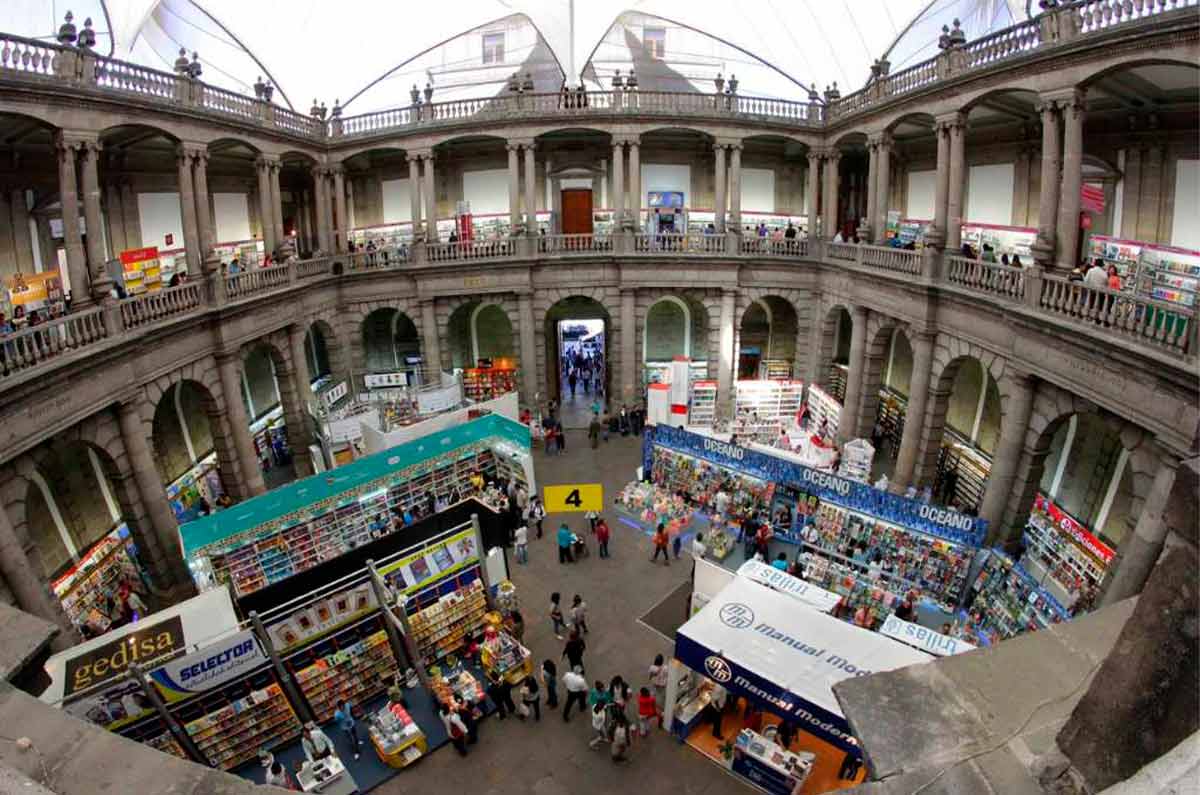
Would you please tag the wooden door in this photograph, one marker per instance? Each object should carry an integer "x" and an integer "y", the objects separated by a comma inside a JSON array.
[{"x": 577, "y": 211}]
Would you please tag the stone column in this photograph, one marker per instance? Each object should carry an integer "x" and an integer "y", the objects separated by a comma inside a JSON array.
[
  {"x": 229, "y": 366},
  {"x": 514, "y": 187},
  {"x": 292, "y": 382},
  {"x": 342, "y": 228},
  {"x": 937, "y": 234},
  {"x": 264, "y": 205},
  {"x": 872, "y": 193},
  {"x": 725, "y": 351},
  {"x": 914, "y": 417},
  {"x": 1013, "y": 426},
  {"x": 276, "y": 202},
  {"x": 635, "y": 184},
  {"x": 131, "y": 216},
  {"x": 77, "y": 268},
  {"x": 414, "y": 195},
  {"x": 531, "y": 191},
  {"x": 113, "y": 217},
  {"x": 848, "y": 420},
  {"x": 883, "y": 187},
  {"x": 628, "y": 345},
  {"x": 430, "y": 194},
  {"x": 833, "y": 162},
  {"x": 89, "y": 174},
  {"x": 813, "y": 193},
  {"x": 204, "y": 218},
  {"x": 528, "y": 338},
  {"x": 1043, "y": 247},
  {"x": 1139, "y": 552},
  {"x": 735, "y": 188},
  {"x": 187, "y": 208},
  {"x": 150, "y": 487},
  {"x": 618, "y": 202},
  {"x": 719, "y": 189},
  {"x": 22, "y": 238},
  {"x": 430, "y": 343},
  {"x": 1072, "y": 180},
  {"x": 296, "y": 334},
  {"x": 321, "y": 198},
  {"x": 958, "y": 180},
  {"x": 27, "y": 587}
]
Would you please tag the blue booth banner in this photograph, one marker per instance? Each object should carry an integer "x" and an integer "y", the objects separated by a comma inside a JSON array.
[
  {"x": 755, "y": 643},
  {"x": 952, "y": 526}
]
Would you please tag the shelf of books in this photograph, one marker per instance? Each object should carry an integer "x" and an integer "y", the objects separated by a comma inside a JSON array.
[
  {"x": 232, "y": 724},
  {"x": 1008, "y": 600},
  {"x": 355, "y": 664},
  {"x": 153, "y": 732},
  {"x": 443, "y": 623},
  {"x": 700, "y": 480},
  {"x": 777, "y": 369},
  {"x": 83, "y": 589},
  {"x": 481, "y": 384},
  {"x": 840, "y": 577},
  {"x": 251, "y": 564},
  {"x": 889, "y": 422},
  {"x": 824, "y": 411},
  {"x": 907, "y": 558},
  {"x": 703, "y": 409},
  {"x": 838, "y": 373},
  {"x": 761, "y": 408},
  {"x": 1075, "y": 558},
  {"x": 967, "y": 467}
]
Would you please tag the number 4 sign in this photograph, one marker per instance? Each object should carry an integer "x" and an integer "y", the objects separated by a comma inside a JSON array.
[{"x": 574, "y": 498}]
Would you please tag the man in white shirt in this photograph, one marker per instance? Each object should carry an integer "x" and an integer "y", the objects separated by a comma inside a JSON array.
[
  {"x": 722, "y": 502},
  {"x": 1096, "y": 275},
  {"x": 521, "y": 543},
  {"x": 699, "y": 550},
  {"x": 577, "y": 689},
  {"x": 315, "y": 743}
]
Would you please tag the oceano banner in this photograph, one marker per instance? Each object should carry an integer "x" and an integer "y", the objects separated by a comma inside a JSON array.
[{"x": 956, "y": 527}]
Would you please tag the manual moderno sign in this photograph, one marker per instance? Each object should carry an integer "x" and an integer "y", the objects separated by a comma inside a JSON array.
[{"x": 756, "y": 642}]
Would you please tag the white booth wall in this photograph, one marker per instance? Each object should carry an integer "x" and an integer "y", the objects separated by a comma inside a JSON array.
[
  {"x": 1185, "y": 225},
  {"x": 160, "y": 216},
  {"x": 487, "y": 191},
  {"x": 231, "y": 213},
  {"x": 758, "y": 190},
  {"x": 397, "y": 201},
  {"x": 990, "y": 194},
  {"x": 921, "y": 188}
]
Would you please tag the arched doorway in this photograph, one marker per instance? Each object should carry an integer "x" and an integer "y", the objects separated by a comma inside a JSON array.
[
  {"x": 186, "y": 443},
  {"x": 891, "y": 408},
  {"x": 674, "y": 326},
  {"x": 966, "y": 400},
  {"x": 836, "y": 331},
  {"x": 576, "y": 330},
  {"x": 767, "y": 339},
  {"x": 390, "y": 341}
]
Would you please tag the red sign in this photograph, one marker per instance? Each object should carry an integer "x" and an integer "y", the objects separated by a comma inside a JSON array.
[
  {"x": 169, "y": 239},
  {"x": 1074, "y": 530},
  {"x": 1085, "y": 221},
  {"x": 1091, "y": 198}
]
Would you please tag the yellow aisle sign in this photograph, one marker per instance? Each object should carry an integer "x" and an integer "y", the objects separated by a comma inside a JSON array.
[{"x": 574, "y": 497}]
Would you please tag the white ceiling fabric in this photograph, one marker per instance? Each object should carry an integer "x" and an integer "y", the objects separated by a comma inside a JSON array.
[{"x": 327, "y": 50}]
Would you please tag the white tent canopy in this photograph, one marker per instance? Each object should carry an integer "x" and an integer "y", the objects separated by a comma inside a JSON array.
[{"x": 313, "y": 48}]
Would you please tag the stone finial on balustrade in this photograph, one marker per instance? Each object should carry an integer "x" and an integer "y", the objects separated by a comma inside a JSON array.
[
  {"x": 944, "y": 39},
  {"x": 719, "y": 83},
  {"x": 335, "y": 125},
  {"x": 631, "y": 83},
  {"x": 814, "y": 103},
  {"x": 337, "y": 109},
  {"x": 260, "y": 88},
  {"x": 832, "y": 94},
  {"x": 182, "y": 65},
  {"x": 618, "y": 82},
  {"x": 194, "y": 68},
  {"x": 87, "y": 36},
  {"x": 67, "y": 30},
  {"x": 527, "y": 86},
  {"x": 733, "y": 85},
  {"x": 958, "y": 37},
  {"x": 429, "y": 92},
  {"x": 514, "y": 83}
]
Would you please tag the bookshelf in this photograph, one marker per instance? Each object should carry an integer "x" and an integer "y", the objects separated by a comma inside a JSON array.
[
  {"x": 838, "y": 373},
  {"x": 231, "y": 725},
  {"x": 444, "y": 624},
  {"x": 703, "y": 410},
  {"x": 761, "y": 408},
  {"x": 152, "y": 731},
  {"x": 889, "y": 422},
  {"x": 1008, "y": 601},
  {"x": 970, "y": 465},
  {"x": 481, "y": 384},
  {"x": 355, "y": 664},
  {"x": 1074, "y": 558},
  {"x": 823, "y": 411}
]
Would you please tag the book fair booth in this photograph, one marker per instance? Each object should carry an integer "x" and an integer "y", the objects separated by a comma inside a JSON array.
[
  {"x": 751, "y": 686},
  {"x": 372, "y": 584}
]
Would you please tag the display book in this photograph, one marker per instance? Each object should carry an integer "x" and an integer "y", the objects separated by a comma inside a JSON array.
[
  {"x": 1161, "y": 273},
  {"x": 838, "y": 576},
  {"x": 393, "y": 731},
  {"x": 152, "y": 731},
  {"x": 823, "y": 411},
  {"x": 703, "y": 409},
  {"x": 481, "y": 384},
  {"x": 257, "y": 562},
  {"x": 1008, "y": 601},
  {"x": 908, "y": 558},
  {"x": 500, "y": 653},
  {"x": 838, "y": 375},
  {"x": 354, "y": 665},
  {"x": 678, "y": 472},
  {"x": 1011, "y": 240},
  {"x": 761, "y": 408},
  {"x": 233, "y": 732},
  {"x": 445, "y": 625},
  {"x": 1069, "y": 562}
]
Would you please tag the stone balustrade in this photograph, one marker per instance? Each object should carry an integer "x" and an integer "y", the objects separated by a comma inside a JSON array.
[
  {"x": 1148, "y": 325},
  {"x": 25, "y": 60}
]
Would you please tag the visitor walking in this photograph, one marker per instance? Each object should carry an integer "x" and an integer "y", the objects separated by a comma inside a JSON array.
[
  {"x": 594, "y": 431},
  {"x": 455, "y": 728},
  {"x": 521, "y": 545},
  {"x": 556, "y": 614},
  {"x": 530, "y": 698},
  {"x": 647, "y": 710},
  {"x": 577, "y": 688},
  {"x": 573, "y": 651},
  {"x": 549, "y": 673},
  {"x": 579, "y": 614},
  {"x": 602, "y": 536},
  {"x": 534, "y": 514},
  {"x": 500, "y": 692},
  {"x": 851, "y": 762},
  {"x": 565, "y": 539},
  {"x": 599, "y": 726},
  {"x": 659, "y": 672},
  {"x": 572, "y": 379},
  {"x": 677, "y": 545},
  {"x": 620, "y": 738},
  {"x": 344, "y": 715},
  {"x": 660, "y": 545}
]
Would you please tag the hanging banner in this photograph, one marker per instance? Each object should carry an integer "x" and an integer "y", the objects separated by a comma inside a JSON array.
[
  {"x": 923, "y": 638},
  {"x": 784, "y": 583},
  {"x": 1091, "y": 198},
  {"x": 210, "y": 667},
  {"x": 414, "y": 572},
  {"x": 1074, "y": 530},
  {"x": 34, "y": 290}
]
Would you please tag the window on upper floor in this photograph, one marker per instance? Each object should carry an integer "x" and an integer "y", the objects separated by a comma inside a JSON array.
[
  {"x": 493, "y": 48},
  {"x": 655, "y": 40}
]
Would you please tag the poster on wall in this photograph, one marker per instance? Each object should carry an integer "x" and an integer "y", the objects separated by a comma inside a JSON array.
[
  {"x": 140, "y": 270},
  {"x": 35, "y": 292},
  {"x": 321, "y": 616}
]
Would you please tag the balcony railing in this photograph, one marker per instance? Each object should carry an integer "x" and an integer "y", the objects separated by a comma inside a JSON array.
[
  {"x": 26, "y": 56},
  {"x": 141, "y": 310},
  {"x": 1152, "y": 326},
  {"x": 33, "y": 346}
]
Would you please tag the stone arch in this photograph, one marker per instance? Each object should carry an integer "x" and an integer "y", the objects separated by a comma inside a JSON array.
[
  {"x": 703, "y": 313},
  {"x": 234, "y": 141},
  {"x": 322, "y": 349},
  {"x": 916, "y": 117},
  {"x": 673, "y": 309},
  {"x": 803, "y": 305},
  {"x": 555, "y": 304},
  {"x": 387, "y": 334},
  {"x": 1133, "y": 63},
  {"x": 837, "y": 324},
  {"x": 880, "y": 328},
  {"x": 462, "y": 329},
  {"x": 771, "y": 323}
]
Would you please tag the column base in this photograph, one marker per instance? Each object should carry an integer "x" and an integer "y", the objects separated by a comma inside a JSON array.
[{"x": 1043, "y": 252}]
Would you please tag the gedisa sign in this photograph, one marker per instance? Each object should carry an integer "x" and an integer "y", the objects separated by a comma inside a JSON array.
[{"x": 113, "y": 659}]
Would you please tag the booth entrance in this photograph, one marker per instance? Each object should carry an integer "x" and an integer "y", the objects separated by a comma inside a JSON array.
[{"x": 577, "y": 211}]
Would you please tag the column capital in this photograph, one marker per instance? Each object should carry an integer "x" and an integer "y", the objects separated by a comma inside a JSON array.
[
  {"x": 76, "y": 142},
  {"x": 815, "y": 154},
  {"x": 1064, "y": 99},
  {"x": 881, "y": 139},
  {"x": 833, "y": 154},
  {"x": 419, "y": 154},
  {"x": 190, "y": 149},
  {"x": 337, "y": 170},
  {"x": 950, "y": 121},
  {"x": 516, "y": 144},
  {"x": 727, "y": 142}
]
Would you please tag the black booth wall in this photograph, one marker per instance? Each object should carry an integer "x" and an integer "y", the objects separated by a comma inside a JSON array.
[{"x": 491, "y": 525}]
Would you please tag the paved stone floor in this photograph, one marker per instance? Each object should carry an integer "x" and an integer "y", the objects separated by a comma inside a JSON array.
[{"x": 550, "y": 757}]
